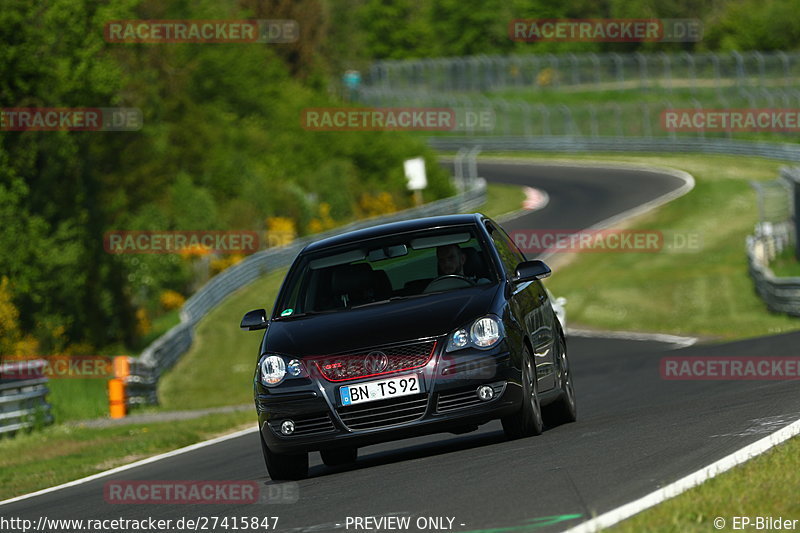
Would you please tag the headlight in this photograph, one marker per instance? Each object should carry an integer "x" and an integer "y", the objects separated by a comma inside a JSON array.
[
  {"x": 484, "y": 333},
  {"x": 273, "y": 370}
]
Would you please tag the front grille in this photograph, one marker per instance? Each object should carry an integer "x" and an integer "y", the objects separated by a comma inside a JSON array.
[
  {"x": 465, "y": 398},
  {"x": 384, "y": 412},
  {"x": 305, "y": 426},
  {"x": 375, "y": 361}
]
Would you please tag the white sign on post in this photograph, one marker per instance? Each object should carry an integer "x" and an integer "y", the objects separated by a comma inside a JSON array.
[{"x": 415, "y": 173}]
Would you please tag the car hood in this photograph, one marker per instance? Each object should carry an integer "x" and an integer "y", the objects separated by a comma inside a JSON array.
[{"x": 375, "y": 325}]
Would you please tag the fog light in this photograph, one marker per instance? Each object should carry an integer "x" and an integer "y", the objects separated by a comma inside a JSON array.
[
  {"x": 287, "y": 428},
  {"x": 294, "y": 367},
  {"x": 485, "y": 393}
]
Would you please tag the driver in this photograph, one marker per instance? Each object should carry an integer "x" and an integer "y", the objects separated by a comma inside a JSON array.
[{"x": 451, "y": 260}]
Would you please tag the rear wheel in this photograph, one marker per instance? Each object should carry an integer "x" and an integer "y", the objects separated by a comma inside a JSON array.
[
  {"x": 339, "y": 456},
  {"x": 528, "y": 421},
  {"x": 564, "y": 410},
  {"x": 284, "y": 466}
]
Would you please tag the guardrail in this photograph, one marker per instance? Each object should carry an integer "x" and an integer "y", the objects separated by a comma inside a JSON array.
[
  {"x": 23, "y": 402},
  {"x": 781, "y": 294},
  {"x": 165, "y": 351},
  {"x": 775, "y": 233}
]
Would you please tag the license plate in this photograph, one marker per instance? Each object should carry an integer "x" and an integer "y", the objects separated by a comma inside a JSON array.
[{"x": 379, "y": 390}]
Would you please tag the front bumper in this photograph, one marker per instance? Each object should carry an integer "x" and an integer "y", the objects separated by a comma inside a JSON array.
[{"x": 448, "y": 402}]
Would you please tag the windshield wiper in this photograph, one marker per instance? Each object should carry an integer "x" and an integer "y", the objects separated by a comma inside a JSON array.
[{"x": 392, "y": 299}]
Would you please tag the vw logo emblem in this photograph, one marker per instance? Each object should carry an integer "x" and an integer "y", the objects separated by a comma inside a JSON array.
[{"x": 376, "y": 362}]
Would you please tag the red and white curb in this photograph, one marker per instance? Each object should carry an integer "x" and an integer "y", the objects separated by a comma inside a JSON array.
[{"x": 535, "y": 200}]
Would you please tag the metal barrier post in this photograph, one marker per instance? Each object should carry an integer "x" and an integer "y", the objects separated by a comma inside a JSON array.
[{"x": 795, "y": 180}]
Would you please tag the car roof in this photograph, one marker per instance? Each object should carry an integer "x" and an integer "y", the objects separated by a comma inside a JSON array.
[{"x": 394, "y": 228}]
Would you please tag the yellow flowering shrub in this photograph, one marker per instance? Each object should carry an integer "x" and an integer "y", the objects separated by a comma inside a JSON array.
[
  {"x": 323, "y": 221},
  {"x": 280, "y": 231},
  {"x": 170, "y": 300},
  {"x": 372, "y": 205},
  {"x": 221, "y": 263}
]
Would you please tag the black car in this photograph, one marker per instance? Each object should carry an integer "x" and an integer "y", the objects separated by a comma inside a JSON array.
[{"x": 405, "y": 329}]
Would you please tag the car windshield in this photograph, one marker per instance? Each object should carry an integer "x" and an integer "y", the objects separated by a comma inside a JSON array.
[{"x": 385, "y": 269}]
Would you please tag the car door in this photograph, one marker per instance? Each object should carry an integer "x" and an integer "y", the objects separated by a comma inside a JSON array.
[{"x": 529, "y": 303}]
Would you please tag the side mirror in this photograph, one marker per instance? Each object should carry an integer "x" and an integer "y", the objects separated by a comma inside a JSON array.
[
  {"x": 531, "y": 270},
  {"x": 254, "y": 320}
]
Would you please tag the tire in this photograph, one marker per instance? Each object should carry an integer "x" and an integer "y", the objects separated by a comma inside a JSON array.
[
  {"x": 564, "y": 410},
  {"x": 339, "y": 456},
  {"x": 282, "y": 466},
  {"x": 528, "y": 421}
]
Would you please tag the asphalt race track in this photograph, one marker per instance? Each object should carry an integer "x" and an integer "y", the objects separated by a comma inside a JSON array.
[{"x": 635, "y": 433}]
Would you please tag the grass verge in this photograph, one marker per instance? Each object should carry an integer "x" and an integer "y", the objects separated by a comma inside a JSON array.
[
  {"x": 218, "y": 368},
  {"x": 61, "y": 453},
  {"x": 78, "y": 399},
  {"x": 786, "y": 264},
  {"x": 502, "y": 199},
  {"x": 764, "y": 486}
]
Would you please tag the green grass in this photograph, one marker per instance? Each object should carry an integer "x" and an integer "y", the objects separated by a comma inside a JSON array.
[
  {"x": 679, "y": 97},
  {"x": 78, "y": 399},
  {"x": 160, "y": 325},
  {"x": 705, "y": 293},
  {"x": 764, "y": 486},
  {"x": 502, "y": 199},
  {"x": 786, "y": 264},
  {"x": 61, "y": 453},
  {"x": 218, "y": 368},
  {"x": 83, "y": 399}
]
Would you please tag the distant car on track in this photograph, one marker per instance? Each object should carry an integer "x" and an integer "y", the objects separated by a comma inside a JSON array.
[
  {"x": 424, "y": 326},
  {"x": 559, "y": 307}
]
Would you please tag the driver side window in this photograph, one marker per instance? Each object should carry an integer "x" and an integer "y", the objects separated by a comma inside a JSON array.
[{"x": 509, "y": 254}]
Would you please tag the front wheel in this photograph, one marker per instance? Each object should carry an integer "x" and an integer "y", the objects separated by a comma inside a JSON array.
[
  {"x": 564, "y": 410},
  {"x": 282, "y": 466},
  {"x": 528, "y": 421}
]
